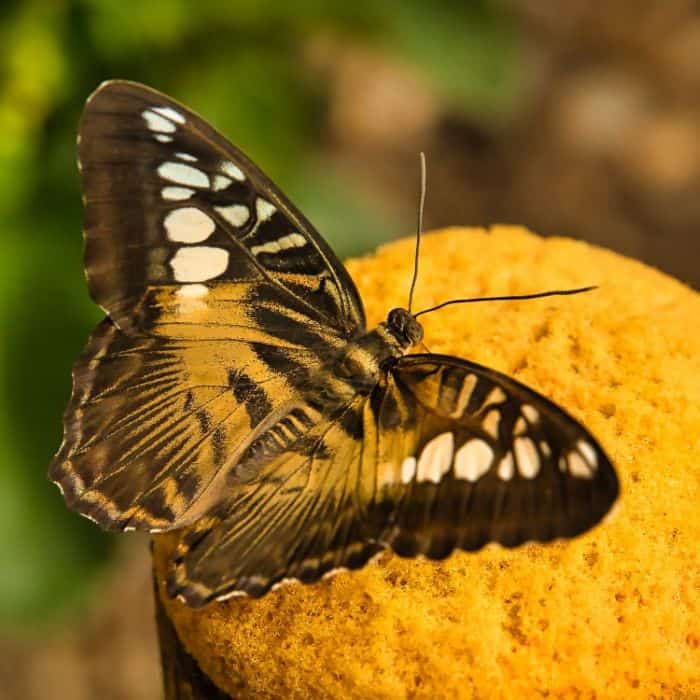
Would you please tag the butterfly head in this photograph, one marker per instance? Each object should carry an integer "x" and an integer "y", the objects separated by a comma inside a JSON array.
[{"x": 403, "y": 325}]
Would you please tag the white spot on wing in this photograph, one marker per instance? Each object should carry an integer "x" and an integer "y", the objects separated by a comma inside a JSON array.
[
  {"x": 176, "y": 193},
  {"x": 490, "y": 423},
  {"x": 220, "y": 182},
  {"x": 232, "y": 170},
  {"x": 188, "y": 225},
  {"x": 170, "y": 113},
  {"x": 527, "y": 457},
  {"x": 269, "y": 247},
  {"x": 530, "y": 412},
  {"x": 236, "y": 214},
  {"x": 496, "y": 395},
  {"x": 264, "y": 209},
  {"x": 545, "y": 449},
  {"x": 436, "y": 457},
  {"x": 506, "y": 468},
  {"x": 163, "y": 138},
  {"x": 473, "y": 460},
  {"x": 589, "y": 453},
  {"x": 183, "y": 174},
  {"x": 408, "y": 470},
  {"x": 186, "y": 156},
  {"x": 199, "y": 263},
  {"x": 465, "y": 393},
  {"x": 520, "y": 427},
  {"x": 157, "y": 123},
  {"x": 293, "y": 240},
  {"x": 578, "y": 467}
]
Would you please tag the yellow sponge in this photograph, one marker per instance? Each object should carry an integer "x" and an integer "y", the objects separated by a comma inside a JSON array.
[{"x": 612, "y": 614}]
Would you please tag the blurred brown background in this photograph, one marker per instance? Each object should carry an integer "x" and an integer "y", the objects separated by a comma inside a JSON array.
[{"x": 577, "y": 119}]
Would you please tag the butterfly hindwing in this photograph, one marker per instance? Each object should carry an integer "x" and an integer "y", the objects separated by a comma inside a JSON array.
[
  {"x": 299, "y": 517},
  {"x": 154, "y": 424}
]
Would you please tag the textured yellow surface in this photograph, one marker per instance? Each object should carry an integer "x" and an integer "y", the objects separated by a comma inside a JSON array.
[{"x": 613, "y": 614}]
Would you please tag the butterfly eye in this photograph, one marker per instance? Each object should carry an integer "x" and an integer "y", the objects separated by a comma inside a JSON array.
[
  {"x": 414, "y": 331},
  {"x": 396, "y": 319},
  {"x": 403, "y": 323}
]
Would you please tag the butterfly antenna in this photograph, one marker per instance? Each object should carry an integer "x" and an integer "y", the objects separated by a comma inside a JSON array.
[
  {"x": 419, "y": 230},
  {"x": 517, "y": 297}
]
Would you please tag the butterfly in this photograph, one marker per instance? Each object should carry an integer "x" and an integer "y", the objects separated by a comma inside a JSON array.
[{"x": 234, "y": 394}]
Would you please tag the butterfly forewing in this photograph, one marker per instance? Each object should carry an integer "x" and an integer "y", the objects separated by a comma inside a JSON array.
[
  {"x": 169, "y": 201},
  {"x": 486, "y": 459}
]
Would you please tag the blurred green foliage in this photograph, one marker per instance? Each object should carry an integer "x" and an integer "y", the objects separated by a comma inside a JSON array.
[{"x": 237, "y": 63}]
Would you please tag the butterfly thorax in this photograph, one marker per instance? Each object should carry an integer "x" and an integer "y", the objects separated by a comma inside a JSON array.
[
  {"x": 359, "y": 366},
  {"x": 365, "y": 359}
]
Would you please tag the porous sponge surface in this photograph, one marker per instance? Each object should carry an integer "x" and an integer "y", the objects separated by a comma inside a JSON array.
[{"x": 612, "y": 614}]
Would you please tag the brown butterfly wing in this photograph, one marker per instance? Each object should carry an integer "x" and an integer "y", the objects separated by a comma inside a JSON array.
[
  {"x": 167, "y": 197},
  {"x": 221, "y": 301},
  {"x": 154, "y": 423},
  {"x": 300, "y": 517},
  {"x": 485, "y": 459}
]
